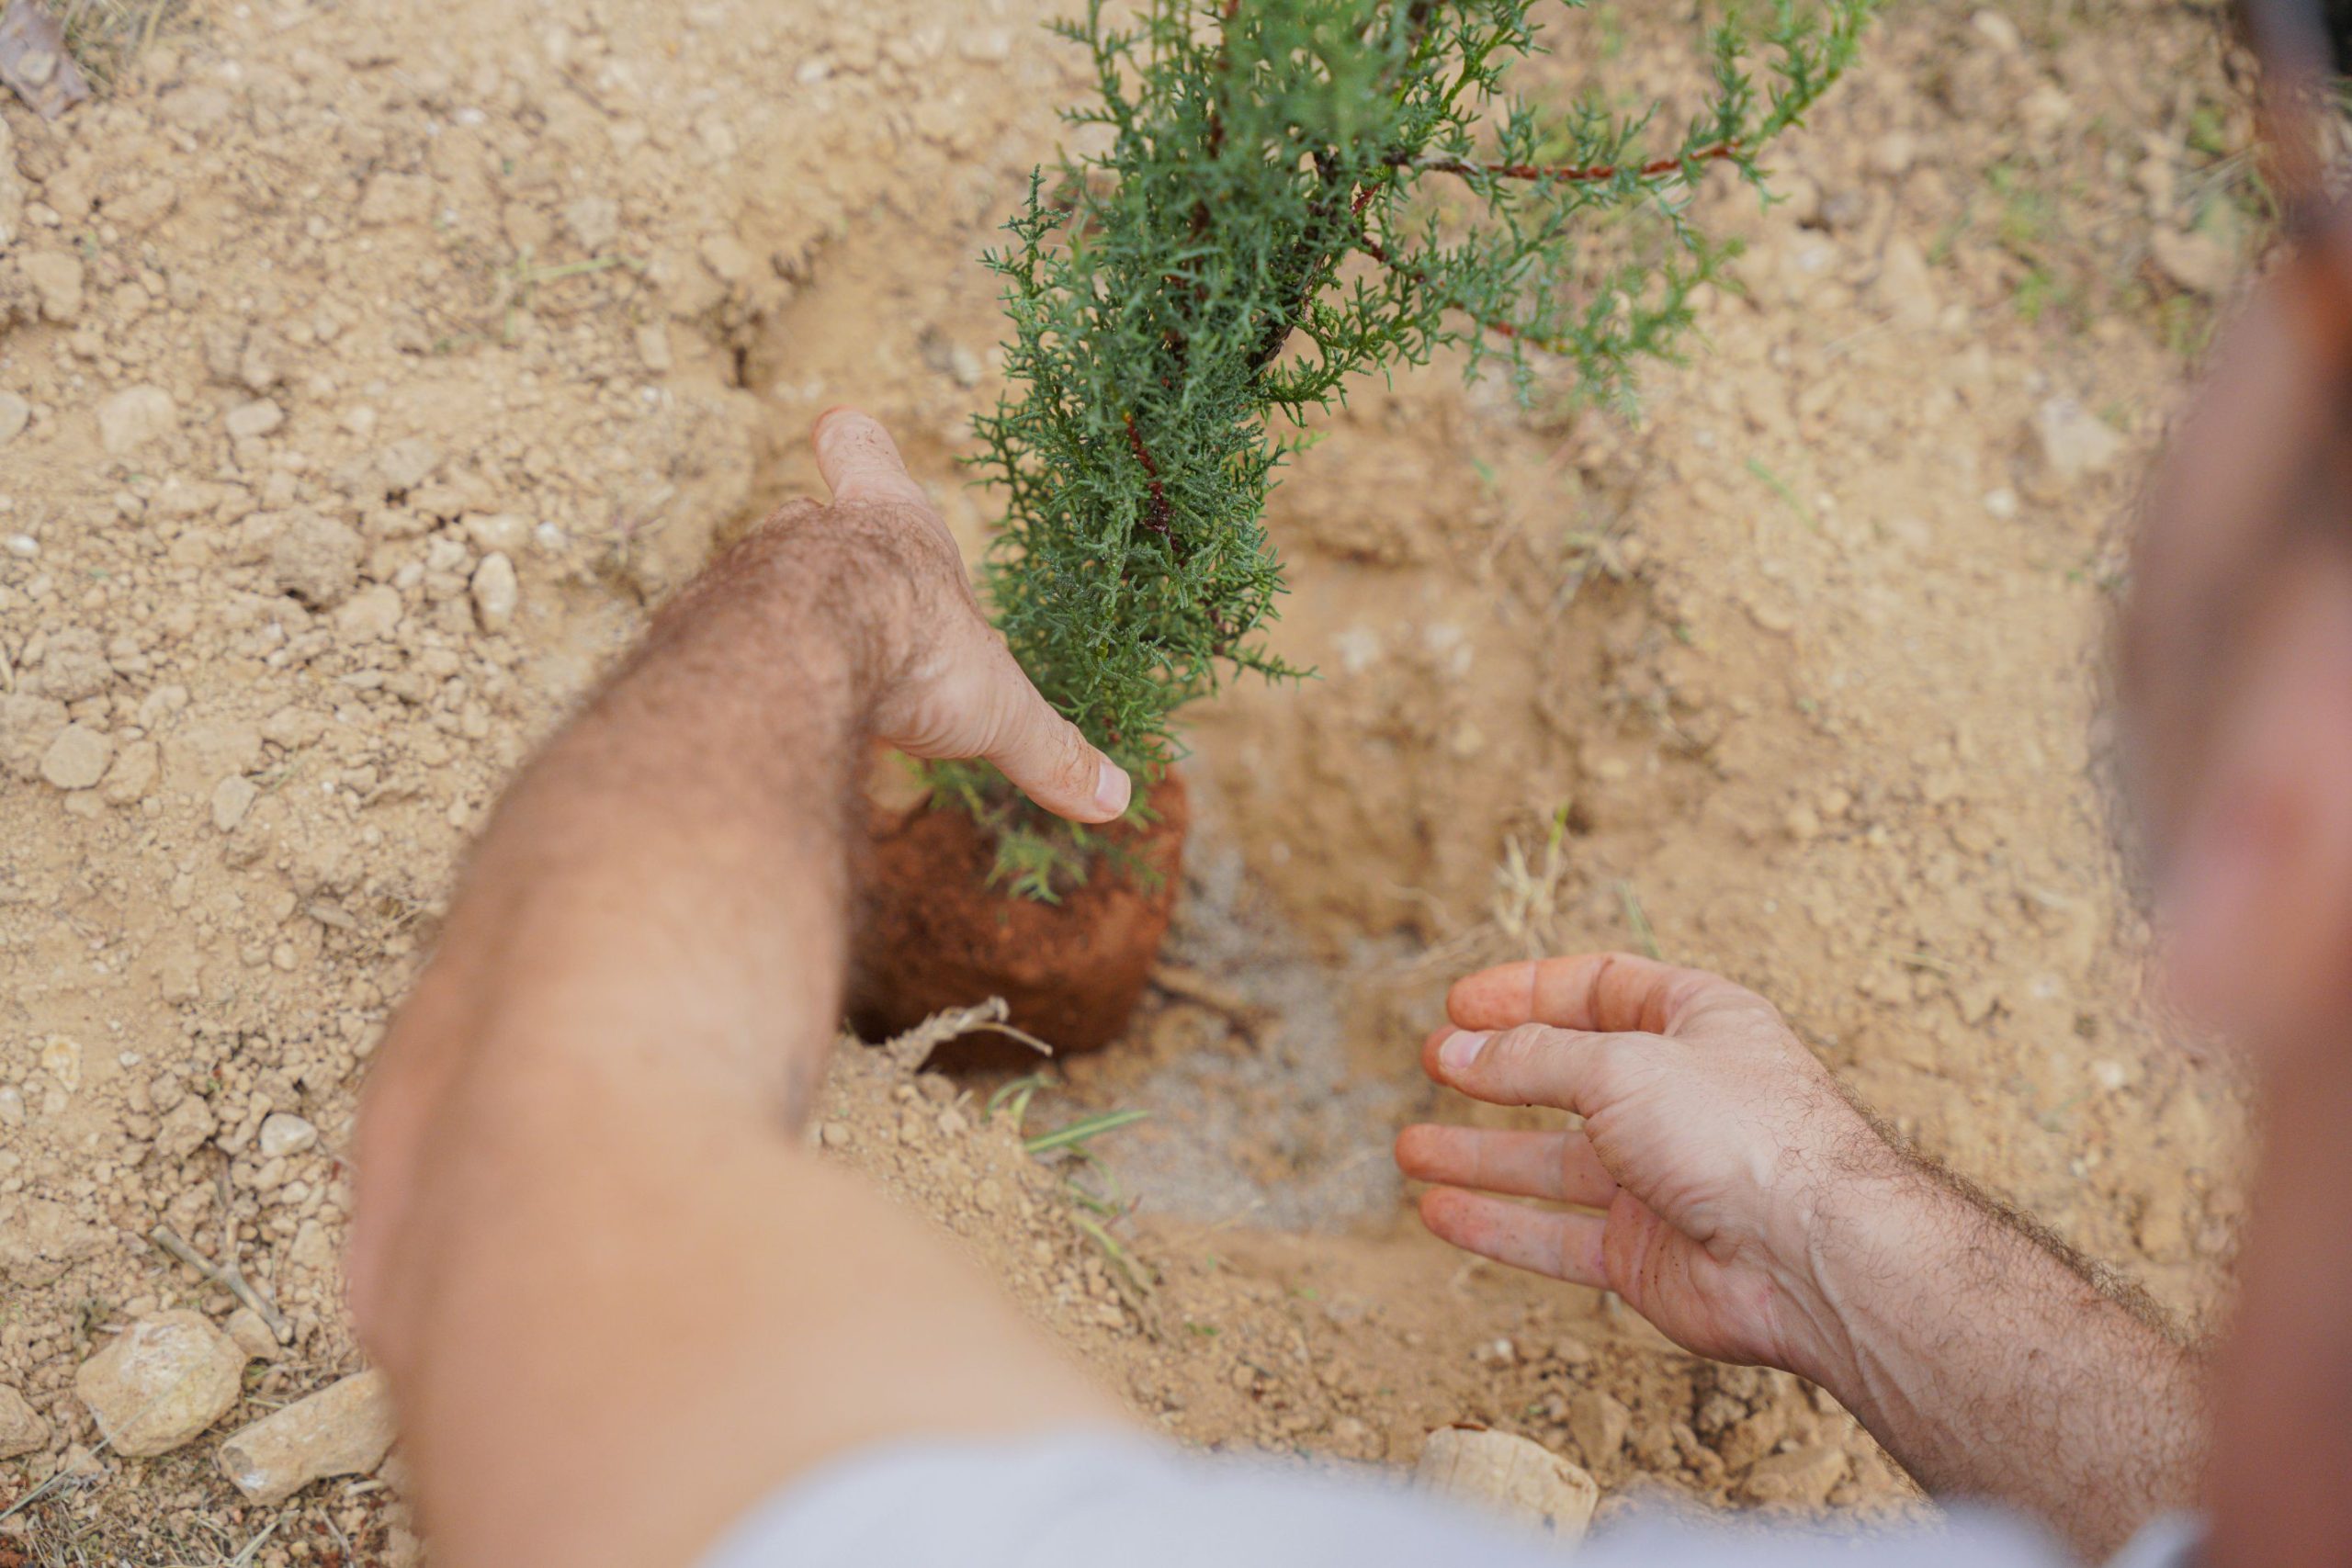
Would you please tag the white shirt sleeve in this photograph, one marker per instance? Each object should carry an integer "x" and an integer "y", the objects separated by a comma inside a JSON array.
[{"x": 1084, "y": 1499}]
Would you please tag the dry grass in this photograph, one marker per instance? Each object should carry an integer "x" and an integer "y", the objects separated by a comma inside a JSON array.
[
  {"x": 177, "y": 1512},
  {"x": 105, "y": 36}
]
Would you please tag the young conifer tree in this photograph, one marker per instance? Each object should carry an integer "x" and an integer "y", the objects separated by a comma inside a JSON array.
[{"x": 1261, "y": 229}]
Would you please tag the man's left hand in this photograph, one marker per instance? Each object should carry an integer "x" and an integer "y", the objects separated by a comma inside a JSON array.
[{"x": 944, "y": 683}]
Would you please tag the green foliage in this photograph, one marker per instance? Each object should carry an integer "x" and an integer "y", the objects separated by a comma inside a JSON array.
[{"x": 1256, "y": 233}]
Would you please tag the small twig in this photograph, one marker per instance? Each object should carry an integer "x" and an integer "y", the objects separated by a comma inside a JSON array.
[
  {"x": 1159, "y": 519},
  {"x": 245, "y": 1557},
  {"x": 58, "y": 1482},
  {"x": 1573, "y": 174},
  {"x": 908, "y": 1051},
  {"x": 228, "y": 1276}
]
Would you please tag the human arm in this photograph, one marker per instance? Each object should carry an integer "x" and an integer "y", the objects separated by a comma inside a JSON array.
[
  {"x": 616, "y": 1298},
  {"x": 1754, "y": 1214}
]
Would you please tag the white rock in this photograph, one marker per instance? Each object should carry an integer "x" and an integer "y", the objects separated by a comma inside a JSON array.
[
  {"x": 60, "y": 1058},
  {"x": 395, "y": 470},
  {"x": 252, "y": 1334},
  {"x": 1903, "y": 286},
  {"x": 74, "y": 665},
  {"x": 28, "y": 725},
  {"x": 1999, "y": 31},
  {"x": 21, "y": 1427},
  {"x": 258, "y": 418},
  {"x": 232, "y": 798},
  {"x": 312, "y": 1248},
  {"x": 133, "y": 773},
  {"x": 345, "y": 1428},
  {"x": 503, "y": 532},
  {"x": 369, "y": 616},
  {"x": 15, "y": 414},
  {"x": 653, "y": 346},
  {"x": 1523, "y": 1480},
  {"x": 77, "y": 759},
  {"x": 135, "y": 416},
  {"x": 496, "y": 592},
  {"x": 56, "y": 276},
  {"x": 594, "y": 222},
  {"x": 2075, "y": 441},
  {"x": 283, "y": 1132},
  {"x": 1804, "y": 1476},
  {"x": 161, "y": 1381},
  {"x": 1598, "y": 1420}
]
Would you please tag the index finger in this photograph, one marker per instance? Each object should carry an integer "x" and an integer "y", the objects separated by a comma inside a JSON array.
[
  {"x": 1606, "y": 992},
  {"x": 861, "y": 463}
]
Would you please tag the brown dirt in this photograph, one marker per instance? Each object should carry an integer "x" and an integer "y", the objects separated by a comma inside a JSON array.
[
  {"x": 936, "y": 933},
  {"x": 1803, "y": 665}
]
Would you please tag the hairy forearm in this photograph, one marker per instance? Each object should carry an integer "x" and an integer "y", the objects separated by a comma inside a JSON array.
[
  {"x": 1994, "y": 1363},
  {"x": 698, "y": 808},
  {"x": 666, "y": 879}
]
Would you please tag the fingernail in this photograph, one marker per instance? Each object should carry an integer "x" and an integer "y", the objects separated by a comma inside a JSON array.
[
  {"x": 1112, "y": 789},
  {"x": 1459, "y": 1049}
]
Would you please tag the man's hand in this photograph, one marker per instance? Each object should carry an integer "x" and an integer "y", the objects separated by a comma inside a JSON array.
[
  {"x": 1754, "y": 1214},
  {"x": 945, "y": 683},
  {"x": 1711, "y": 1138}
]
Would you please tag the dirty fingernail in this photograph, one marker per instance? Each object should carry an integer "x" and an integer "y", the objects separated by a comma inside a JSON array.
[
  {"x": 1460, "y": 1049},
  {"x": 1112, "y": 788}
]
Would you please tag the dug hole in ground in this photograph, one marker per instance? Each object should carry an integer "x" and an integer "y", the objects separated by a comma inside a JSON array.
[{"x": 366, "y": 371}]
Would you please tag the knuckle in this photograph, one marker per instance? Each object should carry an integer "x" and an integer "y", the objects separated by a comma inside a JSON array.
[
  {"x": 1073, "y": 760},
  {"x": 1518, "y": 1048}
]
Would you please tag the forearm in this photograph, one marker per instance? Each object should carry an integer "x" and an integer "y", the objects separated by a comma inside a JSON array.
[
  {"x": 675, "y": 867},
  {"x": 586, "y": 1240},
  {"x": 1993, "y": 1363},
  {"x": 667, "y": 877}
]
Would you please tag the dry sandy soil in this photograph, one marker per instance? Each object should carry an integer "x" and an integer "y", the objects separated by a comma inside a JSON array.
[{"x": 364, "y": 370}]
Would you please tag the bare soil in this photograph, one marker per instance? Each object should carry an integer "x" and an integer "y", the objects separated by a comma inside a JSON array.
[{"x": 377, "y": 365}]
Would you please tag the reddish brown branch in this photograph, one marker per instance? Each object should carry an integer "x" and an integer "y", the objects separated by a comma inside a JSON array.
[
  {"x": 1573, "y": 174},
  {"x": 1159, "y": 520}
]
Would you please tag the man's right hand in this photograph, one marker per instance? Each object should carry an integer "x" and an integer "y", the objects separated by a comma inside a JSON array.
[
  {"x": 1754, "y": 1214},
  {"x": 1711, "y": 1142}
]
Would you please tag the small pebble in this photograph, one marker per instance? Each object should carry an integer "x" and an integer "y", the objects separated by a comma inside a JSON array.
[{"x": 285, "y": 1133}]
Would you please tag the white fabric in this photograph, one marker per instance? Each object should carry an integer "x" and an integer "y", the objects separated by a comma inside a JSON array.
[{"x": 1087, "y": 1499}]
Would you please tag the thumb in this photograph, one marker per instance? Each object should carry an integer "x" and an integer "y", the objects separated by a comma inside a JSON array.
[
  {"x": 1051, "y": 763},
  {"x": 861, "y": 463}
]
